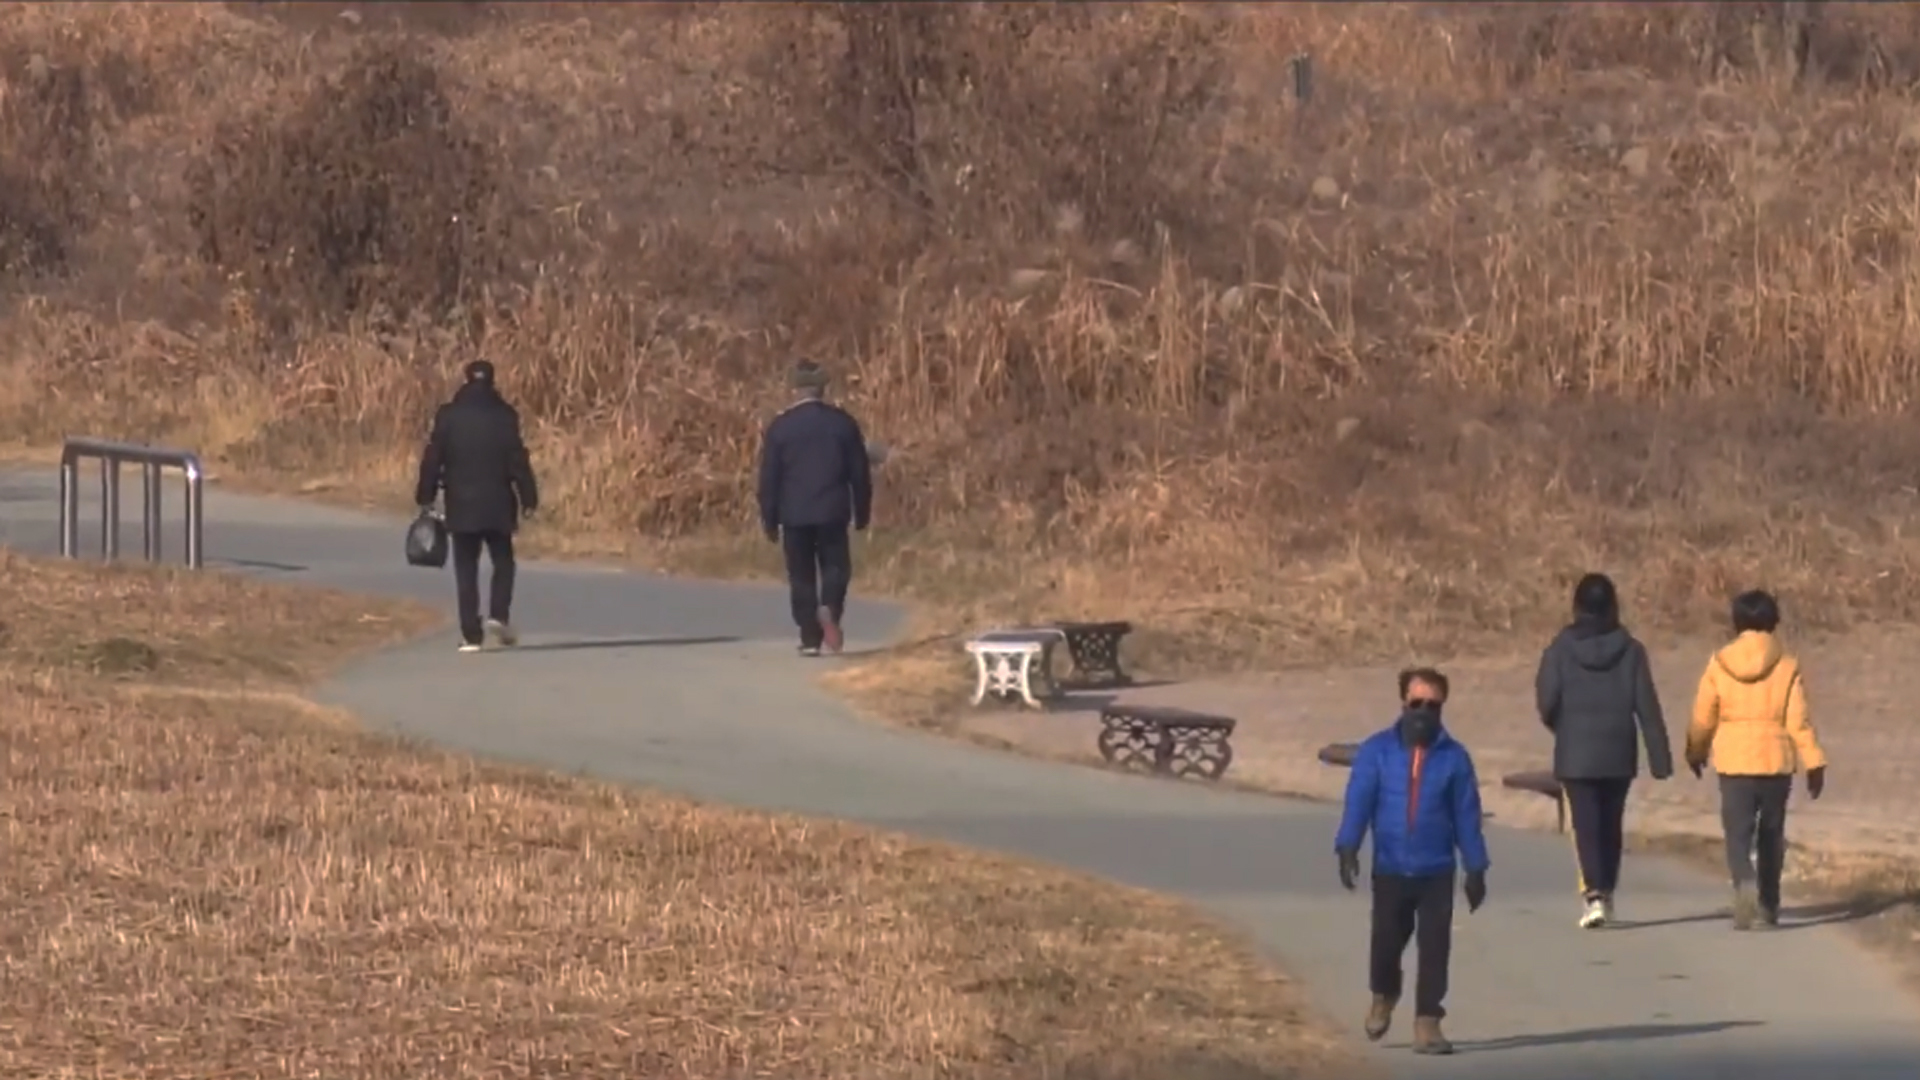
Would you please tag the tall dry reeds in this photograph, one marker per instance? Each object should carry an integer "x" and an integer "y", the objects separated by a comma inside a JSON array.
[{"x": 1517, "y": 291}]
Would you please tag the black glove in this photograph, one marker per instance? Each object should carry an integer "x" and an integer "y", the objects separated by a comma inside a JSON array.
[
  {"x": 1699, "y": 768},
  {"x": 860, "y": 526},
  {"x": 1476, "y": 889},
  {"x": 1349, "y": 869},
  {"x": 1816, "y": 782},
  {"x": 773, "y": 533}
]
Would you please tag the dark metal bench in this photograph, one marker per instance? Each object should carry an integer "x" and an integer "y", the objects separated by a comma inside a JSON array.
[
  {"x": 1095, "y": 650},
  {"x": 1168, "y": 741},
  {"x": 1540, "y": 782}
]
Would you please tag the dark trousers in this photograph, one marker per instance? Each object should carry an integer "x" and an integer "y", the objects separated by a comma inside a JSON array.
[
  {"x": 466, "y": 579},
  {"x": 819, "y": 570},
  {"x": 1418, "y": 909},
  {"x": 1597, "y": 810},
  {"x": 1753, "y": 814}
]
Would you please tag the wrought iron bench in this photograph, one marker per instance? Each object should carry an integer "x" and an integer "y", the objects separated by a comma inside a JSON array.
[
  {"x": 1541, "y": 782},
  {"x": 1094, "y": 648},
  {"x": 1165, "y": 740}
]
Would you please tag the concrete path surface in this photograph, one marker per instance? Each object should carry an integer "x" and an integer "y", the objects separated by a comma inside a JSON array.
[{"x": 693, "y": 688}]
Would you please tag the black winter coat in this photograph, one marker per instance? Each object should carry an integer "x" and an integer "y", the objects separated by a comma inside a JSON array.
[
  {"x": 476, "y": 455},
  {"x": 1596, "y": 694},
  {"x": 814, "y": 469}
]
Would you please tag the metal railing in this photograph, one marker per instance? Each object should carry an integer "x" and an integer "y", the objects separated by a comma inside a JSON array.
[{"x": 152, "y": 460}]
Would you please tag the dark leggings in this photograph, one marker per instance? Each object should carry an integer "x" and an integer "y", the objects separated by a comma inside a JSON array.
[{"x": 1598, "y": 811}]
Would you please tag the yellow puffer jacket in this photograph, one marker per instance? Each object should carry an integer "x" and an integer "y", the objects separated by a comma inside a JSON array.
[{"x": 1751, "y": 712}]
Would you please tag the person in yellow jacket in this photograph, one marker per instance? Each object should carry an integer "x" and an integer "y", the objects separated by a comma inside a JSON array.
[{"x": 1750, "y": 719}]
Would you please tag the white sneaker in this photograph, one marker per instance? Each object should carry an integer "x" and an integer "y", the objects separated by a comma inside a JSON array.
[
  {"x": 501, "y": 632},
  {"x": 1606, "y": 909},
  {"x": 1595, "y": 916},
  {"x": 468, "y": 646}
]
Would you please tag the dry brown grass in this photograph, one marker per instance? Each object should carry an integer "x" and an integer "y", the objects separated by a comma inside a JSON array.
[
  {"x": 202, "y": 880},
  {"x": 1583, "y": 285}
]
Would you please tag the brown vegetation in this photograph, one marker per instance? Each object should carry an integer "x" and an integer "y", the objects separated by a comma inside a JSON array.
[
  {"x": 203, "y": 877},
  {"x": 1521, "y": 290}
]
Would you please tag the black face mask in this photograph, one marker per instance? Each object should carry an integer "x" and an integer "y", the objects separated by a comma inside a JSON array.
[{"x": 1420, "y": 723}]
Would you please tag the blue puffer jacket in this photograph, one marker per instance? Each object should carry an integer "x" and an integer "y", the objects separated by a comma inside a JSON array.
[{"x": 1444, "y": 815}]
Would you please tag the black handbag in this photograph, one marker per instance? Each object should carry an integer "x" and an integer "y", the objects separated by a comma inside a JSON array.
[{"x": 427, "y": 541}]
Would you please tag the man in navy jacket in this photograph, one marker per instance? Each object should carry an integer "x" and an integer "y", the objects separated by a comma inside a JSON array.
[
  {"x": 1413, "y": 787},
  {"x": 815, "y": 481}
]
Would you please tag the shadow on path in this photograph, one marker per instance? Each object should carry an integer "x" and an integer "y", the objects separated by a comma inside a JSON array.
[
  {"x": 258, "y": 564},
  {"x": 1623, "y": 1033},
  {"x": 1799, "y": 917},
  {"x": 619, "y": 643}
]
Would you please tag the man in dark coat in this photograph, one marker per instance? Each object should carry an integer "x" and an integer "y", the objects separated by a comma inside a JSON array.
[
  {"x": 1596, "y": 695},
  {"x": 815, "y": 481},
  {"x": 476, "y": 455}
]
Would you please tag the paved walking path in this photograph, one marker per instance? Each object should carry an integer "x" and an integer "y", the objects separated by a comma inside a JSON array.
[{"x": 692, "y": 687}]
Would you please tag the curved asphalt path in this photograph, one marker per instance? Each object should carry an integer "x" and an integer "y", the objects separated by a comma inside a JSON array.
[{"x": 692, "y": 687}]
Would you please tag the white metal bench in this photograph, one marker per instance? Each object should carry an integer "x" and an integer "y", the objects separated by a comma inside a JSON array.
[{"x": 1015, "y": 664}]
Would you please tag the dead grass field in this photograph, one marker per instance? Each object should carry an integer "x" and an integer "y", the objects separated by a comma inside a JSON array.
[
  {"x": 1525, "y": 290},
  {"x": 205, "y": 876}
]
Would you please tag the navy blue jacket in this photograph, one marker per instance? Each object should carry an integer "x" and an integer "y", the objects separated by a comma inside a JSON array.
[
  {"x": 814, "y": 469},
  {"x": 1415, "y": 832}
]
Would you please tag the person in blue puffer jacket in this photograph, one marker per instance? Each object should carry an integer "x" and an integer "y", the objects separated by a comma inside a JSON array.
[{"x": 1413, "y": 787}]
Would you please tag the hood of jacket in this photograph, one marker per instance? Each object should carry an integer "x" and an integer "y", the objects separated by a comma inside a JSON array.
[
  {"x": 1597, "y": 644},
  {"x": 1751, "y": 657}
]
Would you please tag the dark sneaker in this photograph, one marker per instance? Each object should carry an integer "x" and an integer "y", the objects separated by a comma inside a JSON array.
[
  {"x": 830, "y": 631},
  {"x": 1379, "y": 1018},
  {"x": 1427, "y": 1038},
  {"x": 1769, "y": 915}
]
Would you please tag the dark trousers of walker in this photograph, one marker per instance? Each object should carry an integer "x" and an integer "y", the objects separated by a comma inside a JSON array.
[
  {"x": 819, "y": 570},
  {"x": 1753, "y": 814},
  {"x": 1420, "y": 910},
  {"x": 466, "y": 579},
  {"x": 1597, "y": 810}
]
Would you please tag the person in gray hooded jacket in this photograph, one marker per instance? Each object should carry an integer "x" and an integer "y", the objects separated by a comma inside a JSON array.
[{"x": 1596, "y": 695}]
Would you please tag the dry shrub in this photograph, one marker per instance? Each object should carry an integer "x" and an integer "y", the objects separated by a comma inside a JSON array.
[
  {"x": 989, "y": 117},
  {"x": 56, "y": 104},
  {"x": 367, "y": 196},
  {"x": 1519, "y": 292}
]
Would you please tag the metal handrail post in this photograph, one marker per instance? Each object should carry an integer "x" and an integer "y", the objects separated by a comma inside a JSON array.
[
  {"x": 69, "y": 508},
  {"x": 196, "y": 515},
  {"x": 150, "y": 532},
  {"x": 152, "y": 461},
  {"x": 109, "y": 507}
]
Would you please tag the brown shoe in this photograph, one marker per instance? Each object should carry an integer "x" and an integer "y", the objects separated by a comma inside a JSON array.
[
  {"x": 830, "y": 631},
  {"x": 1379, "y": 1018},
  {"x": 1427, "y": 1038}
]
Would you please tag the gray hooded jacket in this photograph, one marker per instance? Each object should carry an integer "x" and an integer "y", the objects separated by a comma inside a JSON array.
[{"x": 1595, "y": 692}]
